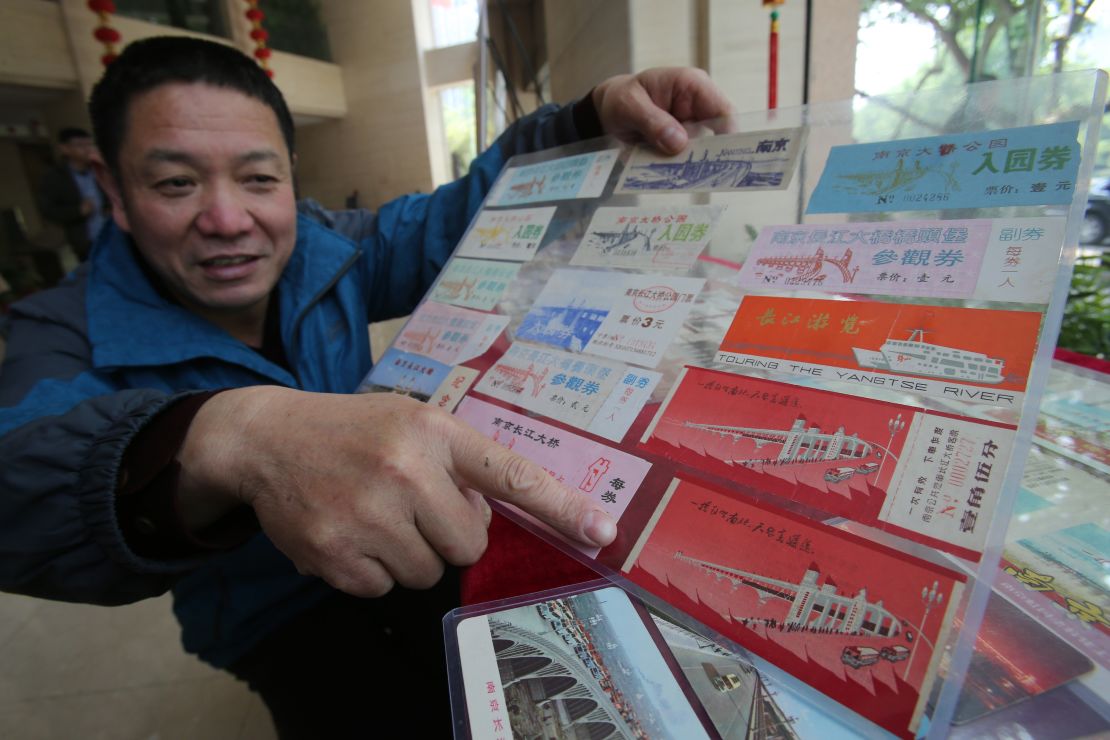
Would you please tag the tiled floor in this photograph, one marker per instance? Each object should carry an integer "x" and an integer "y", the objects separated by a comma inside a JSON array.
[{"x": 76, "y": 671}]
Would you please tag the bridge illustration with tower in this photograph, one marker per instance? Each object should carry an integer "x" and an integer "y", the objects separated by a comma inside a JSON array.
[
  {"x": 813, "y": 605},
  {"x": 797, "y": 444}
]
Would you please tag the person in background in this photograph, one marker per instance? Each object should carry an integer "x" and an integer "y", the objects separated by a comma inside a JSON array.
[{"x": 69, "y": 195}]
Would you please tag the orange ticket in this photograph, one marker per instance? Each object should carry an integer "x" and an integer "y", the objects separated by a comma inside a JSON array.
[{"x": 969, "y": 354}]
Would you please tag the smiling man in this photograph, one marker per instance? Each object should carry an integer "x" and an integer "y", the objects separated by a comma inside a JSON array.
[{"x": 177, "y": 415}]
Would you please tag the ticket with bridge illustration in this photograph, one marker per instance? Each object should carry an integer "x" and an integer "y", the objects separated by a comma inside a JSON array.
[
  {"x": 513, "y": 235},
  {"x": 972, "y": 355},
  {"x": 754, "y": 160},
  {"x": 560, "y": 385},
  {"x": 624, "y": 316},
  {"x": 449, "y": 334},
  {"x": 474, "y": 283},
  {"x": 577, "y": 176},
  {"x": 1003, "y": 259},
  {"x": 666, "y": 238},
  {"x": 931, "y": 477},
  {"x": 858, "y": 621},
  {"x": 1025, "y": 166}
]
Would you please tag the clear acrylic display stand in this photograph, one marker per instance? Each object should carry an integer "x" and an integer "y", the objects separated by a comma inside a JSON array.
[{"x": 976, "y": 198}]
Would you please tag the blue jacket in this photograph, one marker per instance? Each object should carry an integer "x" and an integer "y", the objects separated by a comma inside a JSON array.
[{"x": 92, "y": 361}]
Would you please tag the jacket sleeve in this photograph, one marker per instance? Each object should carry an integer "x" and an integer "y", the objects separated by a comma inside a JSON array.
[
  {"x": 61, "y": 442},
  {"x": 409, "y": 240}
]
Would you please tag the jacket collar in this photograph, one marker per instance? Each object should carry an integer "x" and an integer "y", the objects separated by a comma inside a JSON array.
[{"x": 130, "y": 323}]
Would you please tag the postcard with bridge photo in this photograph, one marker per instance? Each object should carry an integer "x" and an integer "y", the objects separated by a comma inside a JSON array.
[
  {"x": 757, "y": 160},
  {"x": 855, "y": 620},
  {"x": 585, "y": 665},
  {"x": 916, "y": 473}
]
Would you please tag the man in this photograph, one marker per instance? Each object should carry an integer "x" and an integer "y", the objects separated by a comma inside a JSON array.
[
  {"x": 187, "y": 386},
  {"x": 69, "y": 195}
]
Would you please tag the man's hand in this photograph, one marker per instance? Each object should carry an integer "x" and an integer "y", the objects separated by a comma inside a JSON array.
[
  {"x": 652, "y": 105},
  {"x": 365, "y": 490}
]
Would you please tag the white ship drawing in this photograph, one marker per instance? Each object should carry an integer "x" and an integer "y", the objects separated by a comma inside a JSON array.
[{"x": 917, "y": 357}]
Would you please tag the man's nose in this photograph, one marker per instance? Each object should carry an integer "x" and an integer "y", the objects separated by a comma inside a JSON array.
[{"x": 224, "y": 214}]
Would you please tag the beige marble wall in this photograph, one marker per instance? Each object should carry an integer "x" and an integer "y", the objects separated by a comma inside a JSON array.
[
  {"x": 664, "y": 33},
  {"x": 587, "y": 41},
  {"x": 381, "y": 146},
  {"x": 34, "y": 49}
]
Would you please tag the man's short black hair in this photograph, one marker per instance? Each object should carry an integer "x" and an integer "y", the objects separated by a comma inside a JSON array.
[
  {"x": 149, "y": 63},
  {"x": 67, "y": 135}
]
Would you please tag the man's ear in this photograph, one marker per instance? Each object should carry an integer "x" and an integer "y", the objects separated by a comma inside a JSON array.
[{"x": 110, "y": 185}]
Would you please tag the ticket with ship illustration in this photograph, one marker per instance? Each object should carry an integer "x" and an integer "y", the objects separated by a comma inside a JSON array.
[
  {"x": 973, "y": 355},
  {"x": 1026, "y": 166},
  {"x": 506, "y": 235},
  {"x": 663, "y": 238},
  {"x": 1003, "y": 259},
  {"x": 756, "y": 160},
  {"x": 862, "y": 623},
  {"x": 931, "y": 477}
]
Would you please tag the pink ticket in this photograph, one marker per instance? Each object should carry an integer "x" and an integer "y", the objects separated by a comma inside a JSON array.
[
  {"x": 1008, "y": 259},
  {"x": 608, "y": 476}
]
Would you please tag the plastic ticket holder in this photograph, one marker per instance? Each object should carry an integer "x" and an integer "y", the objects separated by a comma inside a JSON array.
[{"x": 800, "y": 363}]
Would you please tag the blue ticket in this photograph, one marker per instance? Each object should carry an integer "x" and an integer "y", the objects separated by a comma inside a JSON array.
[
  {"x": 1032, "y": 165},
  {"x": 408, "y": 373},
  {"x": 579, "y": 176}
]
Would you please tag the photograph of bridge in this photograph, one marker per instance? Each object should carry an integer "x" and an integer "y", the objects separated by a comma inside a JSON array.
[{"x": 587, "y": 666}]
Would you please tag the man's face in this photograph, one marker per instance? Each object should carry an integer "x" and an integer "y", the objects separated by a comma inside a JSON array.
[
  {"x": 206, "y": 191},
  {"x": 78, "y": 151}
]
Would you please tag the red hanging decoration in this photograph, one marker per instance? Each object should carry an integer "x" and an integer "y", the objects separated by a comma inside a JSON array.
[
  {"x": 104, "y": 33},
  {"x": 773, "y": 56},
  {"x": 259, "y": 35}
]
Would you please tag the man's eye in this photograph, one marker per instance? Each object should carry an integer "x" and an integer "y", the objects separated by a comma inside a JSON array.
[
  {"x": 174, "y": 185},
  {"x": 261, "y": 180}
]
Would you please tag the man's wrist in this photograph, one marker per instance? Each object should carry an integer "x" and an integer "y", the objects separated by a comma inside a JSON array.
[{"x": 156, "y": 519}]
